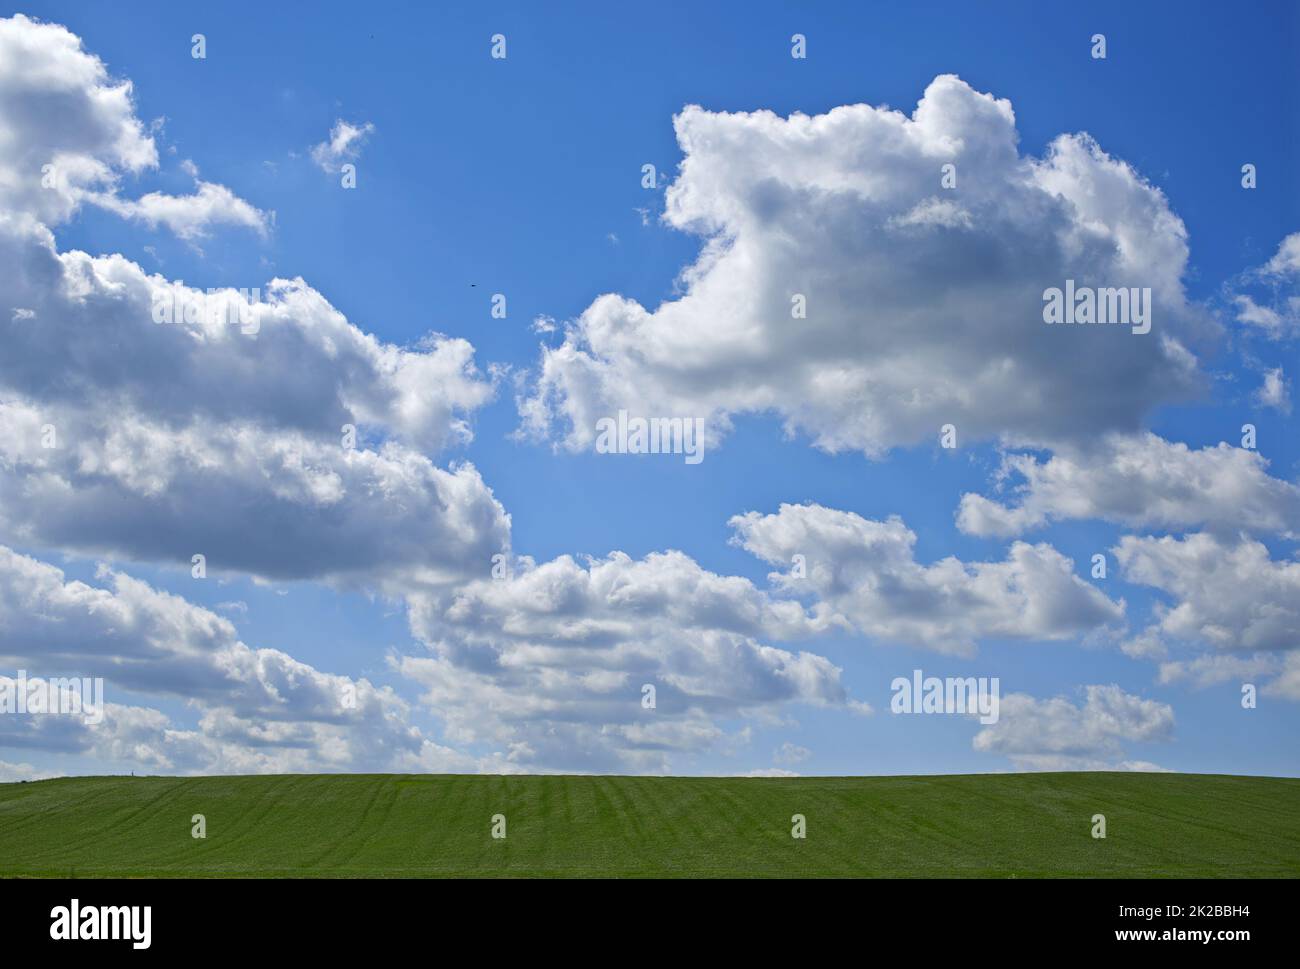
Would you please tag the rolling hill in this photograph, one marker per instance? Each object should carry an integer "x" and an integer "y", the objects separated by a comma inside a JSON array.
[{"x": 1005, "y": 825}]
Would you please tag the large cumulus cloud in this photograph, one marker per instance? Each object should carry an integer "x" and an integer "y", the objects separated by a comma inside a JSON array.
[
  {"x": 548, "y": 663},
  {"x": 924, "y": 304}
]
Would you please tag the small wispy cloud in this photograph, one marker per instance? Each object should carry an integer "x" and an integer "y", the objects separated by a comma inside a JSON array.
[
  {"x": 344, "y": 144},
  {"x": 1274, "y": 391}
]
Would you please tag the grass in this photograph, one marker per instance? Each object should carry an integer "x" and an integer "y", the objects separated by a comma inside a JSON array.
[{"x": 382, "y": 825}]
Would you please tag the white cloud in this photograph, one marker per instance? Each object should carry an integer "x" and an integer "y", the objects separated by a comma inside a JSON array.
[
  {"x": 1265, "y": 318},
  {"x": 344, "y": 144},
  {"x": 9, "y": 773},
  {"x": 1287, "y": 684},
  {"x": 1210, "y": 669},
  {"x": 1273, "y": 306},
  {"x": 790, "y": 753},
  {"x": 268, "y": 502},
  {"x": 1056, "y": 734},
  {"x": 146, "y": 738},
  {"x": 278, "y": 352},
  {"x": 70, "y": 134},
  {"x": 866, "y": 577},
  {"x": 1286, "y": 261},
  {"x": 1275, "y": 391},
  {"x": 1141, "y": 481},
  {"x": 190, "y": 216},
  {"x": 61, "y": 108},
  {"x": 549, "y": 663},
  {"x": 924, "y": 305},
  {"x": 1229, "y": 597},
  {"x": 1228, "y": 594}
]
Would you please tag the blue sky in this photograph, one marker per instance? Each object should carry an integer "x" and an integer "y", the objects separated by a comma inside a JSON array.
[{"x": 522, "y": 176}]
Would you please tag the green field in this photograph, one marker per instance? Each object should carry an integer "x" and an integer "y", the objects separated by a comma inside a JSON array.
[{"x": 1000, "y": 825}]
